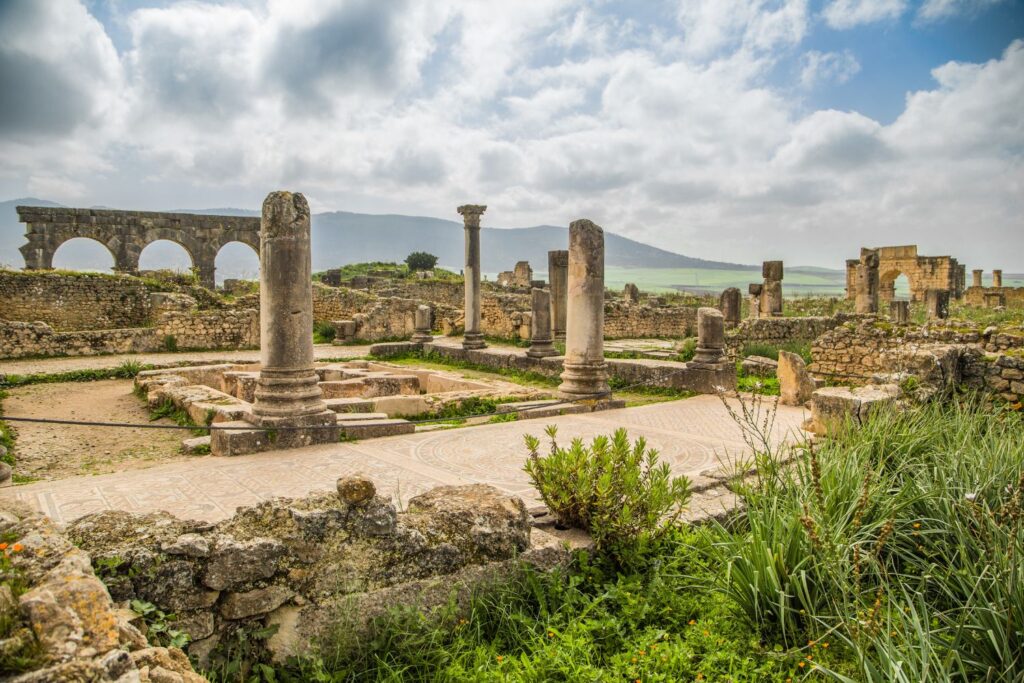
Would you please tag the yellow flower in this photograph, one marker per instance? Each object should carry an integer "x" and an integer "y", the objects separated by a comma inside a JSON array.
[
  {"x": 917, "y": 525},
  {"x": 801, "y": 665},
  {"x": 825, "y": 644},
  {"x": 691, "y": 622}
]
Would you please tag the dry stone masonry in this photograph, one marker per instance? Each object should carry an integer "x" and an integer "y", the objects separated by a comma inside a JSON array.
[{"x": 922, "y": 272}]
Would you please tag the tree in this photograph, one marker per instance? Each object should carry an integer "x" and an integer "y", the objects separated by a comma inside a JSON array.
[{"x": 420, "y": 260}]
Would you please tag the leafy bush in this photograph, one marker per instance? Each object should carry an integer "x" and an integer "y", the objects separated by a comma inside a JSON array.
[
  {"x": 621, "y": 494},
  {"x": 420, "y": 260},
  {"x": 687, "y": 349},
  {"x": 323, "y": 333}
]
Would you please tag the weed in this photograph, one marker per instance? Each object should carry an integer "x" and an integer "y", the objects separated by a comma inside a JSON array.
[
  {"x": 159, "y": 631},
  {"x": 170, "y": 343}
]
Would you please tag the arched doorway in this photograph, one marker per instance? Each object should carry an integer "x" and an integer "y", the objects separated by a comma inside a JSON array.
[
  {"x": 83, "y": 253},
  {"x": 237, "y": 260},
  {"x": 901, "y": 288},
  {"x": 165, "y": 255},
  {"x": 894, "y": 285}
]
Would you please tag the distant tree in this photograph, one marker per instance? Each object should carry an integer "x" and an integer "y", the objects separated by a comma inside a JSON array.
[{"x": 420, "y": 260}]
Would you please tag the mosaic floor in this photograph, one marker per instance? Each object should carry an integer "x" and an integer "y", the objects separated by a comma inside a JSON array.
[{"x": 696, "y": 436}]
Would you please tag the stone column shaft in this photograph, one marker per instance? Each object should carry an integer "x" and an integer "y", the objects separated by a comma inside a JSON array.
[
  {"x": 936, "y": 302},
  {"x": 755, "y": 291},
  {"x": 422, "y": 333},
  {"x": 997, "y": 278},
  {"x": 729, "y": 304},
  {"x": 976, "y": 275},
  {"x": 473, "y": 338},
  {"x": 899, "y": 312},
  {"x": 540, "y": 342},
  {"x": 288, "y": 391},
  {"x": 710, "y": 337},
  {"x": 771, "y": 302},
  {"x": 558, "y": 280},
  {"x": 585, "y": 374}
]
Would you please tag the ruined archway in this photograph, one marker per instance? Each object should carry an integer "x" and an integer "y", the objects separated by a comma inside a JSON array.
[
  {"x": 895, "y": 285},
  {"x": 83, "y": 253},
  {"x": 237, "y": 260},
  {"x": 165, "y": 254}
]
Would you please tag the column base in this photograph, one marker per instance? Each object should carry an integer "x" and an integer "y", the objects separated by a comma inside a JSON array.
[
  {"x": 584, "y": 381},
  {"x": 541, "y": 349},
  {"x": 707, "y": 356},
  {"x": 422, "y": 338},
  {"x": 473, "y": 340}
]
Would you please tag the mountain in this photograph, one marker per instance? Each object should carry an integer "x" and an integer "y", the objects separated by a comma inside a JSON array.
[{"x": 340, "y": 237}]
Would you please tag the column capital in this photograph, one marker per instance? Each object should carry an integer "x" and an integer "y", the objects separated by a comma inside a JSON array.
[{"x": 471, "y": 214}]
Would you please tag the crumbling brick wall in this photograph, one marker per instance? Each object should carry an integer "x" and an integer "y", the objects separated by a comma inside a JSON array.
[{"x": 74, "y": 301}]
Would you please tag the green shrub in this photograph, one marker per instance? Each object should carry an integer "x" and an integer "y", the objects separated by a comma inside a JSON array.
[
  {"x": 420, "y": 260},
  {"x": 687, "y": 349},
  {"x": 323, "y": 333},
  {"x": 619, "y": 493},
  {"x": 801, "y": 348}
]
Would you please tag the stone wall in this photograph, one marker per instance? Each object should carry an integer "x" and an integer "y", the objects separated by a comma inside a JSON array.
[
  {"x": 623, "y": 321},
  {"x": 1001, "y": 374},
  {"x": 855, "y": 351},
  {"x": 74, "y": 301},
  {"x": 780, "y": 331},
  {"x": 229, "y": 329},
  {"x": 975, "y": 296},
  {"x": 21, "y": 340},
  {"x": 308, "y": 565}
]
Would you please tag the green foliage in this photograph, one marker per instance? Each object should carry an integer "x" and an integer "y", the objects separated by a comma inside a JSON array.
[
  {"x": 420, "y": 260},
  {"x": 323, "y": 332},
  {"x": 619, "y": 493},
  {"x": 166, "y": 408},
  {"x": 122, "y": 371},
  {"x": 170, "y": 343},
  {"x": 128, "y": 369},
  {"x": 687, "y": 349},
  {"x": 159, "y": 630},
  {"x": 241, "y": 658},
  {"x": 19, "y": 649}
]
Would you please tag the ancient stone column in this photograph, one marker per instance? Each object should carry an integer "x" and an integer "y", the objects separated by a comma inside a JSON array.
[
  {"x": 558, "y": 274},
  {"x": 585, "y": 374},
  {"x": 899, "y": 312},
  {"x": 729, "y": 304},
  {"x": 287, "y": 392},
  {"x": 867, "y": 282},
  {"x": 422, "y": 334},
  {"x": 771, "y": 304},
  {"x": 936, "y": 303},
  {"x": 997, "y": 278},
  {"x": 540, "y": 342},
  {"x": 977, "y": 278},
  {"x": 755, "y": 290},
  {"x": 631, "y": 293},
  {"x": 710, "y": 337},
  {"x": 473, "y": 338}
]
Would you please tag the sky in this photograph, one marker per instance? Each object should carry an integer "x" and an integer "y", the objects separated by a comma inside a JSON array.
[{"x": 736, "y": 130}]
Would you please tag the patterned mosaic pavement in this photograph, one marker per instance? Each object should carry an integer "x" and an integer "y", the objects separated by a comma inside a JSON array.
[{"x": 696, "y": 436}]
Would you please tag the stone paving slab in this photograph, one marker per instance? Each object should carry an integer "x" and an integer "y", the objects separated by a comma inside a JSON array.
[{"x": 695, "y": 436}]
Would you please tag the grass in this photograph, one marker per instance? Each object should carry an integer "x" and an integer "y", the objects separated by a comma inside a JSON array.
[
  {"x": 167, "y": 409},
  {"x": 801, "y": 348},
  {"x": 395, "y": 270},
  {"x": 894, "y": 552},
  {"x": 126, "y": 370}
]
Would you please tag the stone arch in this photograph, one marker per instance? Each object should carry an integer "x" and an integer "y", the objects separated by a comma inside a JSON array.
[
  {"x": 230, "y": 245},
  {"x": 176, "y": 243},
  {"x": 52, "y": 254},
  {"x": 887, "y": 284}
]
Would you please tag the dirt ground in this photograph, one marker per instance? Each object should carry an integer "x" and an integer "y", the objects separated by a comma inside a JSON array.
[{"x": 52, "y": 452}]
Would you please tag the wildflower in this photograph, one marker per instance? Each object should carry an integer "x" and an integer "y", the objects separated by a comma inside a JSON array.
[
  {"x": 917, "y": 525},
  {"x": 17, "y": 547},
  {"x": 500, "y": 658},
  {"x": 707, "y": 633},
  {"x": 809, "y": 658},
  {"x": 633, "y": 660},
  {"x": 801, "y": 665},
  {"x": 3, "y": 546},
  {"x": 810, "y": 643},
  {"x": 825, "y": 644},
  {"x": 643, "y": 652},
  {"x": 551, "y": 634},
  {"x": 970, "y": 497},
  {"x": 691, "y": 622}
]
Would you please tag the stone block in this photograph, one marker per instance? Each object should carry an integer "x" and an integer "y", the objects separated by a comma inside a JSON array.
[
  {"x": 795, "y": 384},
  {"x": 832, "y": 407},
  {"x": 372, "y": 429},
  {"x": 759, "y": 366}
]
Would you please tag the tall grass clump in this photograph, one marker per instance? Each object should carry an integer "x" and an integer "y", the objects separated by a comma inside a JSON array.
[{"x": 901, "y": 538}]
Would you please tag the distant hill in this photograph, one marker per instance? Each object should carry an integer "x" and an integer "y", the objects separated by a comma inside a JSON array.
[{"x": 340, "y": 237}]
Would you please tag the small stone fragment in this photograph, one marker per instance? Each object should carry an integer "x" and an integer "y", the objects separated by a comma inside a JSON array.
[{"x": 355, "y": 489}]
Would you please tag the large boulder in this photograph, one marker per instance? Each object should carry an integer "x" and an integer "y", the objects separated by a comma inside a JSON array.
[{"x": 831, "y": 407}]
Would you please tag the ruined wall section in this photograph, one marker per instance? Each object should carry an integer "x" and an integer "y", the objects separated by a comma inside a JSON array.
[
  {"x": 1012, "y": 296},
  {"x": 780, "y": 331},
  {"x": 74, "y": 301}
]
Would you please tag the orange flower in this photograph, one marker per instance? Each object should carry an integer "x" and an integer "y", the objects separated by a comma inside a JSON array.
[
  {"x": 500, "y": 658},
  {"x": 17, "y": 547},
  {"x": 801, "y": 665},
  {"x": 811, "y": 643},
  {"x": 691, "y": 622},
  {"x": 3, "y": 546}
]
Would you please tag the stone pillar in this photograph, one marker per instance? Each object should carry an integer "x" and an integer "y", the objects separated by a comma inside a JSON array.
[
  {"x": 631, "y": 293},
  {"x": 899, "y": 312},
  {"x": 771, "y": 295},
  {"x": 558, "y": 283},
  {"x": 755, "y": 290},
  {"x": 994, "y": 299},
  {"x": 585, "y": 374},
  {"x": 729, "y": 305},
  {"x": 422, "y": 333},
  {"x": 473, "y": 338},
  {"x": 867, "y": 282},
  {"x": 540, "y": 341},
  {"x": 997, "y": 278},
  {"x": 207, "y": 274},
  {"x": 936, "y": 303},
  {"x": 977, "y": 278},
  {"x": 710, "y": 338},
  {"x": 288, "y": 391}
]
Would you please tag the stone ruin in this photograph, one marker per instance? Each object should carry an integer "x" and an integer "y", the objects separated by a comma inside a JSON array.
[
  {"x": 631, "y": 293},
  {"x": 994, "y": 296},
  {"x": 520, "y": 276},
  {"x": 729, "y": 305},
  {"x": 558, "y": 283},
  {"x": 922, "y": 272},
  {"x": 472, "y": 337},
  {"x": 867, "y": 282},
  {"x": 585, "y": 375},
  {"x": 936, "y": 304},
  {"x": 766, "y": 298}
]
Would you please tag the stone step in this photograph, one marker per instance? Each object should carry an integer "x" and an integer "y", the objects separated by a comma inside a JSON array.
[
  {"x": 372, "y": 429},
  {"x": 349, "y": 405},
  {"x": 361, "y": 417},
  {"x": 196, "y": 443}
]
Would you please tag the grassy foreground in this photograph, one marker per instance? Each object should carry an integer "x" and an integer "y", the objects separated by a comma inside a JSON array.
[{"x": 892, "y": 553}]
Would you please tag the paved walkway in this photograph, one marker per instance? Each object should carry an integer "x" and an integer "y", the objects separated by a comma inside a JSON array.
[
  {"x": 31, "y": 366},
  {"x": 696, "y": 436}
]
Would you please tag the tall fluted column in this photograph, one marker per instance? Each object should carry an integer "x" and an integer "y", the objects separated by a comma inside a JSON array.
[
  {"x": 473, "y": 338},
  {"x": 558, "y": 283},
  {"x": 287, "y": 393},
  {"x": 585, "y": 374}
]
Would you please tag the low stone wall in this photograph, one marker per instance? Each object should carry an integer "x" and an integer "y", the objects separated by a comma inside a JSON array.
[
  {"x": 67, "y": 613},
  {"x": 779, "y": 331},
  {"x": 1001, "y": 374},
  {"x": 308, "y": 566},
  {"x": 627, "y": 321},
  {"x": 975, "y": 296},
  {"x": 74, "y": 301},
  {"x": 21, "y": 340},
  {"x": 853, "y": 352},
  {"x": 229, "y": 329}
]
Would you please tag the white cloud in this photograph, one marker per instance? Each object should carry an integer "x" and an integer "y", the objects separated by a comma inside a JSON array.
[
  {"x": 825, "y": 67},
  {"x": 843, "y": 14},
  {"x": 936, "y": 10},
  {"x": 545, "y": 111}
]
